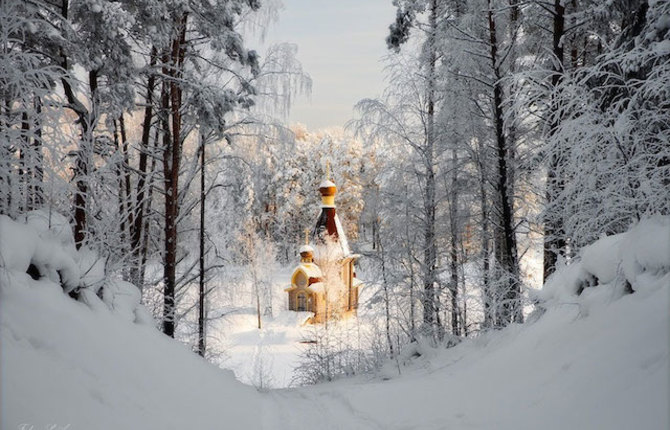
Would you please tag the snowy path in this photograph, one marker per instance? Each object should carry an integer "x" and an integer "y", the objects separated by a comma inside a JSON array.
[
  {"x": 607, "y": 370},
  {"x": 306, "y": 408}
]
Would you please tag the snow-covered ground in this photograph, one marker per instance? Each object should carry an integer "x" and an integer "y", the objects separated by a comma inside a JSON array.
[
  {"x": 607, "y": 371},
  {"x": 265, "y": 357},
  {"x": 598, "y": 360},
  {"x": 268, "y": 357}
]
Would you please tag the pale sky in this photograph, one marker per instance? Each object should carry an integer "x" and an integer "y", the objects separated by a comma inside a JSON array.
[{"x": 340, "y": 44}]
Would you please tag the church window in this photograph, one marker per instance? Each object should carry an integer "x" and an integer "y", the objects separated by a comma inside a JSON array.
[
  {"x": 301, "y": 279},
  {"x": 302, "y": 302}
]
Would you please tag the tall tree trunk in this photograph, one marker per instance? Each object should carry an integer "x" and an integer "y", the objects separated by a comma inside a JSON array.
[
  {"x": 6, "y": 157},
  {"x": 144, "y": 247},
  {"x": 554, "y": 236},
  {"x": 24, "y": 163},
  {"x": 38, "y": 164},
  {"x": 121, "y": 199},
  {"x": 453, "y": 255},
  {"x": 128, "y": 214},
  {"x": 506, "y": 257},
  {"x": 410, "y": 264},
  {"x": 140, "y": 206},
  {"x": 430, "y": 251},
  {"x": 170, "y": 227},
  {"x": 81, "y": 161},
  {"x": 486, "y": 287},
  {"x": 387, "y": 305},
  {"x": 201, "y": 296},
  {"x": 172, "y": 143},
  {"x": 87, "y": 120}
]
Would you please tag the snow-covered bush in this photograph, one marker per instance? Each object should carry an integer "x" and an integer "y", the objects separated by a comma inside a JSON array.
[
  {"x": 332, "y": 351},
  {"x": 41, "y": 244},
  {"x": 637, "y": 260}
]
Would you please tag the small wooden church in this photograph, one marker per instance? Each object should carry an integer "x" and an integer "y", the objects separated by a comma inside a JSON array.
[{"x": 325, "y": 282}]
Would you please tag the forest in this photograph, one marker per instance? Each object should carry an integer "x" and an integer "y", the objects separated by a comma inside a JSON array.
[{"x": 509, "y": 136}]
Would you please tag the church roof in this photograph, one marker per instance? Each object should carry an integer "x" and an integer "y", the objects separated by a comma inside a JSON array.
[
  {"x": 318, "y": 287},
  {"x": 329, "y": 224},
  {"x": 342, "y": 236},
  {"x": 310, "y": 269}
]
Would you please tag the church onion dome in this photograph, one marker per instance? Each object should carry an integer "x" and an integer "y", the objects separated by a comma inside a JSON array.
[
  {"x": 306, "y": 253},
  {"x": 328, "y": 223},
  {"x": 305, "y": 249},
  {"x": 327, "y": 190},
  {"x": 327, "y": 184}
]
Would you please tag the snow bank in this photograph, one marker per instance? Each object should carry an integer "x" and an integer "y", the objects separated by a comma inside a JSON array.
[
  {"x": 80, "y": 366},
  {"x": 44, "y": 240},
  {"x": 565, "y": 371},
  {"x": 66, "y": 366},
  {"x": 123, "y": 298},
  {"x": 18, "y": 243},
  {"x": 647, "y": 248},
  {"x": 637, "y": 260}
]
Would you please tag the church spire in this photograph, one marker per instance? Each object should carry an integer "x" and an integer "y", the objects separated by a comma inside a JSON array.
[
  {"x": 328, "y": 224},
  {"x": 327, "y": 190},
  {"x": 306, "y": 251}
]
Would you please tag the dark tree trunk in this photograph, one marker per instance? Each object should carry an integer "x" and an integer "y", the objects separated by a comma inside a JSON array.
[
  {"x": 38, "y": 164},
  {"x": 506, "y": 257},
  {"x": 87, "y": 120},
  {"x": 170, "y": 227},
  {"x": 554, "y": 236},
  {"x": 172, "y": 142},
  {"x": 24, "y": 166},
  {"x": 121, "y": 190},
  {"x": 141, "y": 205},
  {"x": 201, "y": 296},
  {"x": 128, "y": 214}
]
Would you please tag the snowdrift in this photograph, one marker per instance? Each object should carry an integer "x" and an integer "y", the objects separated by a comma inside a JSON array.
[
  {"x": 597, "y": 358},
  {"x": 96, "y": 362},
  {"x": 635, "y": 261},
  {"x": 41, "y": 244},
  {"x": 608, "y": 370}
]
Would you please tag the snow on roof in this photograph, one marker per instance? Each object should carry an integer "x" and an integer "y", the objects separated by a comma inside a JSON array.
[
  {"x": 306, "y": 248},
  {"x": 318, "y": 287},
  {"x": 342, "y": 237},
  {"x": 310, "y": 269},
  {"x": 326, "y": 184}
]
